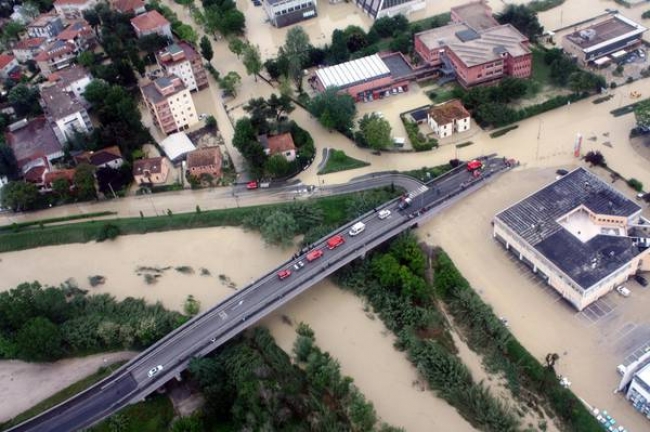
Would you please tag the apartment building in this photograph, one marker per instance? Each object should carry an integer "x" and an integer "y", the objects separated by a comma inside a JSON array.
[
  {"x": 170, "y": 104},
  {"x": 182, "y": 60},
  {"x": 65, "y": 111},
  {"x": 55, "y": 56},
  {"x": 46, "y": 26}
]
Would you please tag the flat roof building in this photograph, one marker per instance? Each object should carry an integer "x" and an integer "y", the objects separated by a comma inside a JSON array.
[
  {"x": 382, "y": 8},
  {"x": 612, "y": 35},
  {"x": 579, "y": 234},
  {"x": 282, "y": 13}
]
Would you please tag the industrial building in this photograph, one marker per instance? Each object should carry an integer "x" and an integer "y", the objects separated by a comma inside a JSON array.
[
  {"x": 282, "y": 13},
  {"x": 635, "y": 383},
  {"x": 579, "y": 234},
  {"x": 387, "y": 8},
  {"x": 616, "y": 36}
]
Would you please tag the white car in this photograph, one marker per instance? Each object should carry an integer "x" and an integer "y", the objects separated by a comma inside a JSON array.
[
  {"x": 383, "y": 214},
  {"x": 623, "y": 291},
  {"x": 203, "y": 116},
  {"x": 154, "y": 371}
]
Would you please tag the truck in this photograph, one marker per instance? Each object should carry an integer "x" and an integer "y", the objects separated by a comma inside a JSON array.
[{"x": 357, "y": 229}]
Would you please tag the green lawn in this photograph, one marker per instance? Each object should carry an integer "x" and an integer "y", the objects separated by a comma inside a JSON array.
[
  {"x": 64, "y": 394},
  {"x": 428, "y": 173},
  {"x": 153, "y": 415},
  {"x": 541, "y": 71},
  {"x": 339, "y": 161},
  {"x": 442, "y": 94},
  {"x": 17, "y": 226}
]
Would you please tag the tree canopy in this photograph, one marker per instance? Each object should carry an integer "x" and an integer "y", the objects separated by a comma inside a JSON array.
[
  {"x": 376, "y": 131},
  {"x": 8, "y": 164},
  {"x": 296, "y": 48},
  {"x": 230, "y": 82},
  {"x": 252, "y": 60},
  {"x": 523, "y": 18},
  {"x": 333, "y": 110},
  {"x": 19, "y": 196},
  {"x": 206, "y": 49},
  {"x": 642, "y": 114}
]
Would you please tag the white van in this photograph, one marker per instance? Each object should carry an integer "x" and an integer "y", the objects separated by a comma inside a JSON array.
[{"x": 357, "y": 228}]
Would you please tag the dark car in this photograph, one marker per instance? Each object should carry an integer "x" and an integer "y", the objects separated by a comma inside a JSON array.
[
  {"x": 641, "y": 280},
  {"x": 561, "y": 172},
  {"x": 257, "y": 3}
]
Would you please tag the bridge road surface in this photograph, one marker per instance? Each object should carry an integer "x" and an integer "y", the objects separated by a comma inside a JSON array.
[{"x": 216, "y": 326}]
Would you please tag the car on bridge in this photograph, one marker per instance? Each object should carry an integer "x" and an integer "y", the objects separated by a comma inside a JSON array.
[
  {"x": 383, "y": 214},
  {"x": 314, "y": 255},
  {"x": 474, "y": 165},
  {"x": 283, "y": 274},
  {"x": 335, "y": 242},
  {"x": 154, "y": 371},
  {"x": 297, "y": 266}
]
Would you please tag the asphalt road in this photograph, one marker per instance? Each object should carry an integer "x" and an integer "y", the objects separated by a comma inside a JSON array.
[{"x": 214, "y": 327}]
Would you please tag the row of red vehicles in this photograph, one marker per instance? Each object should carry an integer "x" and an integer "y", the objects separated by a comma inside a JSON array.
[{"x": 313, "y": 255}]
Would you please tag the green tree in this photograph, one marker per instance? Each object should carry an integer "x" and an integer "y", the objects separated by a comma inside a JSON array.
[
  {"x": 191, "y": 306},
  {"x": 206, "y": 49},
  {"x": 252, "y": 60},
  {"x": 39, "y": 340},
  {"x": 296, "y": 48},
  {"x": 245, "y": 140},
  {"x": 24, "y": 100},
  {"x": 338, "y": 51},
  {"x": 12, "y": 30},
  {"x": 642, "y": 114},
  {"x": 84, "y": 181},
  {"x": 376, "y": 131},
  {"x": 192, "y": 423},
  {"x": 86, "y": 59},
  {"x": 524, "y": 19},
  {"x": 237, "y": 46},
  {"x": 279, "y": 228},
  {"x": 356, "y": 39},
  {"x": 151, "y": 43},
  {"x": 333, "y": 110},
  {"x": 211, "y": 123},
  {"x": 277, "y": 166},
  {"x": 8, "y": 164},
  {"x": 61, "y": 188},
  {"x": 230, "y": 82},
  {"x": 19, "y": 195}
]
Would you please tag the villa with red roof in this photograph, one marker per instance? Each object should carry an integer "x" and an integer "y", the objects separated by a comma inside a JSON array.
[
  {"x": 279, "y": 145},
  {"x": 135, "y": 7},
  {"x": 150, "y": 23}
]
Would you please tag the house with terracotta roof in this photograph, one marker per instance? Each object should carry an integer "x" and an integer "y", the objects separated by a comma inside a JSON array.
[
  {"x": 135, "y": 7},
  {"x": 151, "y": 22},
  {"x": 205, "y": 161},
  {"x": 66, "y": 111},
  {"x": 170, "y": 104},
  {"x": 80, "y": 34},
  {"x": 448, "y": 118},
  {"x": 26, "y": 49},
  {"x": 46, "y": 25},
  {"x": 73, "y": 9},
  {"x": 32, "y": 140},
  {"x": 182, "y": 60},
  {"x": 51, "y": 176},
  {"x": 8, "y": 64},
  {"x": 281, "y": 144},
  {"x": 151, "y": 170},
  {"x": 109, "y": 157},
  {"x": 56, "y": 55}
]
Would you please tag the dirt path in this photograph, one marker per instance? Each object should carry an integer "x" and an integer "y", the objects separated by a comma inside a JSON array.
[{"x": 26, "y": 384}]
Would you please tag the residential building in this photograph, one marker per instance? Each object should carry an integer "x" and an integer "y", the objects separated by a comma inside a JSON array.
[
  {"x": 448, "y": 118},
  {"x": 281, "y": 144},
  {"x": 635, "y": 382},
  {"x": 366, "y": 78},
  {"x": 282, "y": 13},
  {"x": 55, "y": 56},
  {"x": 32, "y": 140},
  {"x": 151, "y": 170},
  {"x": 80, "y": 34},
  {"x": 151, "y": 22},
  {"x": 135, "y": 7},
  {"x": 579, "y": 234},
  {"x": 205, "y": 161},
  {"x": 46, "y": 25},
  {"x": 50, "y": 177},
  {"x": 176, "y": 146},
  {"x": 182, "y": 60},
  {"x": 382, "y": 8},
  {"x": 73, "y": 79},
  {"x": 73, "y": 9},
  {"x": 109, "y": 157},
  {"x": 170, "y": 104},
  {"x": 615, "y": 35},
  {"x": 66, "y": 111},
  {"x": 474, "y": 49},
  {"x": 8, "y": 64},
  {"x": 26, "y": 49}
]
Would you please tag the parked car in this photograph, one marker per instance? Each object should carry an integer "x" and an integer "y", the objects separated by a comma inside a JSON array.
[
  {"x": 641, "y": 280},
  {"x": 154, "y": 371},
  {"x": 623, "y": 291},
  {"x": 283, "y": 274},
  {"x": 383, "y": 214},
  {"x": 252, "y": 185}
]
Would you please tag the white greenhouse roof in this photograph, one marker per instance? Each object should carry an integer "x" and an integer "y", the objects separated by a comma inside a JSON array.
[
  {"x": 359, "y": 70},
  {"x": 177, "y": 145}
]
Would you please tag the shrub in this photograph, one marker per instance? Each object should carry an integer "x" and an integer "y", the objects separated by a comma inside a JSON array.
[
  {"x": 108, "y": 231},
  {"x": 595, "y": 158},
  {"x": 635, "y": 184},
  {"x": 191, "y": 306}
]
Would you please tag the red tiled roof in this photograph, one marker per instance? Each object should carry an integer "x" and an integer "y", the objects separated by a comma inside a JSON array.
[
  {"x": 149, "y": 21},
  {"x": 152, "y": 165},
  {"x": 5, "y": 59},
  {"x": 50, "y": 51},
  {"x": 100, "y": 157},
  {"x": 75, "y": 29},
  {"x": 280, "y": 143},
  {"x": 35, "y": 174},
  {"x": 448, "y": 112},
  {"x": 29, "y": 43},
  {"x": 51, "y": 176},
  {"x": 204, "y": 157},
  {"x": 70, "y": 2},
  {"x": 126, "y": 6}
]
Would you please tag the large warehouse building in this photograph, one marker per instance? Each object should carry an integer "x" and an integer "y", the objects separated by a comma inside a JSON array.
[
  {"x": 579, "y": 234},
  {"x": 615, "y": 35}
]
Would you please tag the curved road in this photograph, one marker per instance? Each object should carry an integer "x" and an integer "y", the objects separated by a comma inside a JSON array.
[{"x": 211, "y": 329}]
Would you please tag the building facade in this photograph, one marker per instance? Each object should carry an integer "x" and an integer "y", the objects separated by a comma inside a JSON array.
[
  {"x": 282, "y": 13},
  {"x": 73, "y": 9},
  {"x": 448, "y": 118},
  {"x": 45, "y": 26},
  {"x": 56, "y": 56},
  {"x": 615, "y": 34},
  {"x": 151, "y": 22},
  {"x": 26, "y": 49},
  {"x": 66, "y": 111},
  {"x": 579, "y": 234},
  {"x": 170, "y": 104},
  {"x": 382, "y": 8},
  {"x": 182, "y": 60},
  {"x": 73, "y": 79},
  {"x": 80, "y": 34}
]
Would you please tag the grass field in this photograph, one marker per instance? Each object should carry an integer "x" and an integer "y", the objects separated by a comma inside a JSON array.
[
  {"x": 64, "y": 394},
  {"x": 339, "y": 161},
  {"x": 153, "y": 415},
  {"x": 541, "y": 71}
]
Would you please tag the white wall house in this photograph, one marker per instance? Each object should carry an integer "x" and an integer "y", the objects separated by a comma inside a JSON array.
[{"x": 448, "y": 118}]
